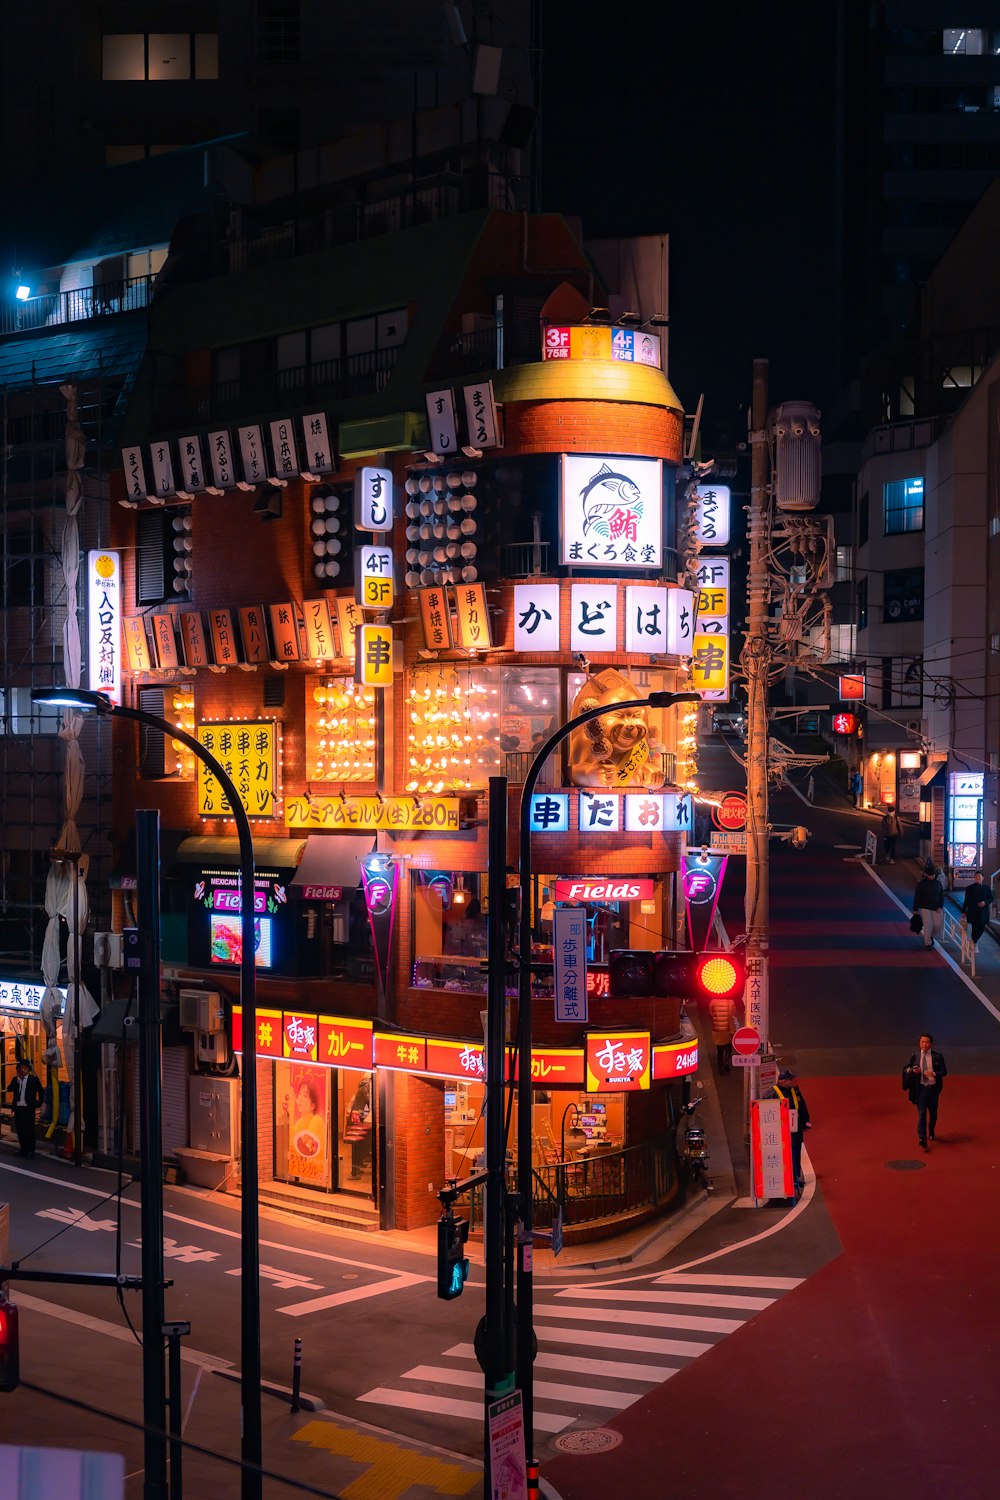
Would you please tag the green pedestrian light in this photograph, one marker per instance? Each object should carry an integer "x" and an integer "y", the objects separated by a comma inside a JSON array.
[{"x": 452, "y": 1262}]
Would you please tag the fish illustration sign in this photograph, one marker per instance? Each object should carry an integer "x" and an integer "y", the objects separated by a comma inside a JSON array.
[{"x": 611, "y": 511}]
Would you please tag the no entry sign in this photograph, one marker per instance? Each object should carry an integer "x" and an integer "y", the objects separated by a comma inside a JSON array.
[{"x": 746, "y": 1041}]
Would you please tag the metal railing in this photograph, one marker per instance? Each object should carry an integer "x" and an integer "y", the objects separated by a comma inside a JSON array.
[
  {"x": 956, "y": 930},
  {"x": 525, "y": 559},
  {"x": 78, "y": 306},
  {"x": 328, "y": 380}
]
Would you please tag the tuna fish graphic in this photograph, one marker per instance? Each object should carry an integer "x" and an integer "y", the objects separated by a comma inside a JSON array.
[{"x": 604, "y": 493}]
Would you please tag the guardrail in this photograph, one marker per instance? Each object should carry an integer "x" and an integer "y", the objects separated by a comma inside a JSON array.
[
  {"x": 871, "y": 846},
  {"x": 956, "y": 930},
  {"x": 78, "y": 306}
]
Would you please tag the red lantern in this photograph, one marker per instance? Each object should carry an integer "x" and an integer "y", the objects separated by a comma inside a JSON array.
[{"x": 845, "y": 723}]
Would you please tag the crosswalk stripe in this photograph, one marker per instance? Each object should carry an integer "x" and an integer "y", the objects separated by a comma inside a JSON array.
[
  {"x": 445, "y": 1406},
  {"x": 647, "y": 1319},
  {"x": 766, "y": 1283},
  {"x": 545, "y": 1390},
  {"x": 608, "y": 1369},
  {"x": 634, "y": 1342},
  {"x": 686, "y": 1299}
]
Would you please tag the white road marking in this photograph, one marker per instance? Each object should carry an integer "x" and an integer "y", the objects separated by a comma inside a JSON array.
[
  {"x": 113, "y": 1330},
  {"x": 77, "y": 1218},
  {"x": 545, "y": 1390},
  {"x": 686, "y": 1299},
  {"x": 634, "y": 1342},
  {"x": 356, "y": 1294},
  {"x": 777, "y": 1283},
  {"x": 608, "y": 1369},
  {"x": 285, "y": 1281},
  {"x": 445, "y": 1406},
  {"x": 647, "y": 1319}
]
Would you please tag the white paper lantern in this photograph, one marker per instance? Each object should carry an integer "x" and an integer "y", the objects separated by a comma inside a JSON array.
[
  {"x": 412, "y": 532},
  {"x": 319, "y": 549},
  {"x": 411, "y": 486},
  {"x": 453, "y": 532},
  {"x": 425, "y": 484},
  {"x": 412, "y": 509},
  {"x": 440, "y": 555},
  {"x": 318, "y": 505},
  {"x": 427, "y": 576},
  {"x": 438, "y": 531},
  {"x": 469, "y": 502},
  {"x": 411, "y": 554},
  {"x": 180, "y": 586},
  {"x": 332, "y": 548},
  {"x": 332, "y": 525},
  {"x": 469, "y": 575},
  {"x": 454, "y": 480},
  {"x": 412, "y": 580},
  {"x": 332, "y": 503},
  {"x": 452, "y": 550},
  {"x": 178, "y": 523},
  {"x": 468, "y": 550},
  {"x": 469, "y": 479},
  {"x": 318, "y": 528},
  {"x": 468, "y": 527}
]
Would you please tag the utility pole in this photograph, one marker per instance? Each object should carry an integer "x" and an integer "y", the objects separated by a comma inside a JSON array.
[{"x": 756, "y": 660}]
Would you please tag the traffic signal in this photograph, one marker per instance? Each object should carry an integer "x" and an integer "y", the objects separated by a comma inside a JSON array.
[
  {"x": 453, "y": 1264},
  {"x": 637, "y": 973},
  {"x": 9, "y": 1345}
]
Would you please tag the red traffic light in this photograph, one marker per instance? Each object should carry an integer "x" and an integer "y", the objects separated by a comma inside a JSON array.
[
  {"x": 635, "y": 974},
  {"x": 9, "y": 1346},
  {"x": 719, "y": 974}
]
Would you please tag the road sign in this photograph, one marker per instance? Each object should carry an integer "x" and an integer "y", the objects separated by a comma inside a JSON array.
[
  {"x": 728, "y": 843},
  {"x": 746, "y": 1040},
  {"x": 745, "y": 1060},
  {"x": 768, "y": 1075},
  {"x": 731, "y": 813}
]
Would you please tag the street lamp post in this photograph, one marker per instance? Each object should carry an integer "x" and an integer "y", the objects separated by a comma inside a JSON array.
[
  {"x": 525, "y": 1338},
  {"x": 251, "y": 1453},
  {"x": 72, "y": 858}
]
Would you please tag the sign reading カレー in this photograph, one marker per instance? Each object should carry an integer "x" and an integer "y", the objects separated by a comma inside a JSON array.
[{"x": 605, "y": 889}]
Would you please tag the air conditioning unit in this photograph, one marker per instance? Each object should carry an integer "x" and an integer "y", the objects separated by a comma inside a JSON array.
[
  {"x": 108, "y": 952},
  {"x": 202, "y": 1010},
  {"x": 913, "y": 726},
  {"x": 213, "y": 1047}
]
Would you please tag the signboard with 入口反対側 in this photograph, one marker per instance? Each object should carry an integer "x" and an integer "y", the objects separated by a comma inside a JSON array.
[
  {"x": 610, "y": 510},
  {"x": 104, "y": 609},
  {"x": 247, "y": 752},
  {"x": 617, "y": 1061},
  {"x": 569, "y": 951},
  {"x": 393, "y": 814}
]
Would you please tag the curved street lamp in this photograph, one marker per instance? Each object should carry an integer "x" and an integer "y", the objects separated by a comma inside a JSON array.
[
  {"x": 525, "y": 1331},
  {"x": 84, "y": 701}
]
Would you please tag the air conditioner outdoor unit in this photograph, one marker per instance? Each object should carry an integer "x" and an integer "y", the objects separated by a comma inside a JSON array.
[
  {"x": 202, "y": 1010},
  {"x": 213, "y": 1047},
  {"x": 108, "y": 950},
  {"x": 913, "y": 726}
]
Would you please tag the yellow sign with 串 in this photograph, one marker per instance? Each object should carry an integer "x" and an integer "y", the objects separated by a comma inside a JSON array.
[
  {"x": 373, "y": 655},
  {"x": 247, "y": 753},
  {"x": 710, "y": 663}
]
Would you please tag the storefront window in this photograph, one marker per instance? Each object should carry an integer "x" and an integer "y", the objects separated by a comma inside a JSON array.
[
  {"x": 303, "y": 1097},
  {"x": 449, "y": 930},
  {"x": 454, "y": 733},
  {"x": 640, "y": 922},
  {"x": 340, "y": 731},
  {"x": 355, "y": 1124}
]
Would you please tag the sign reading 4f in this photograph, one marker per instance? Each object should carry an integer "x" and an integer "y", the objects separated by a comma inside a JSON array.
[
  {"x": 373, "y": 583},
  {"x": 373, "y": 500}
]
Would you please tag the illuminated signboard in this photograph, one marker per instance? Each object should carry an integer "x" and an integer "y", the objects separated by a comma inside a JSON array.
[
  {"x": 845, "y": 723},
  {"x": 373, "y": 655},
  {"x": 373, "y": 499},
  {"x": 594, "y": 341},
  {"x": 435, "y": 618},
  {"x": 18, "y": 997},
  {"x": 710, "y": 661},
  {"x": 373, "y": 583},
  {"x": 104, "y": 610},
  {"x": 605, "y": 888},
  {"x": 852, "y": 688},
  {"x": 618, "y": 1061},
  {"x": 227, "y": 940},
  {"x": 712, "y": 507},
  {"x": 472, "y": 616},
  {"x": 247, "y": 753},
  {"x": 394, "y": 814},
  {"x": 610, "y": 511}
]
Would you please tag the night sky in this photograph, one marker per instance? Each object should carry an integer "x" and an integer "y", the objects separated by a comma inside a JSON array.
[{"x": 716, "y": 124}]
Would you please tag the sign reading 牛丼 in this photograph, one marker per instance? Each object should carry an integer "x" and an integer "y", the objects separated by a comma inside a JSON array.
[
  {"x": 569, "y": 951},
  {"x": 610, "y": 511},
  {"x": 247, "y": 752},
  {"x": 104, "y": 611}
]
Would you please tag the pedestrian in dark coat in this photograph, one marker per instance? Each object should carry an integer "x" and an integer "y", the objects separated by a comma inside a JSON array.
[
  {"x": 891, "y": 829},
  {"x": 976, "y": 906},
  {"x": 26, "y": 1095},
  {"x": 923, "y": 1080},
  {"x": 787, "y": 1088},
  {"x": 928, "y": 900}
]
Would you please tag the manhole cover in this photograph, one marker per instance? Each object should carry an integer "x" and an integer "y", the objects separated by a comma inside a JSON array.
[
  {"x": 597, "y": 1440},
  {"x": 907, "y": 1165}
]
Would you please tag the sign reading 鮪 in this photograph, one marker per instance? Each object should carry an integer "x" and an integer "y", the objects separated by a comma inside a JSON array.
[
  {"x": 247, "y": 753},
  {"x": 610, "y": 511}
]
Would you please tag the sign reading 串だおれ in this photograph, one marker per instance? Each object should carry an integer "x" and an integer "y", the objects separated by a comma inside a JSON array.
[
  {"x": 610, "y": 511},
  {"x": 247, "y": 753},
  {"x": 569, "y": 950}
]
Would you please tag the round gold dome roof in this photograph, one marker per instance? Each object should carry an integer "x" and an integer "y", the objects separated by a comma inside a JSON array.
[{"x": 586, "y": 380}]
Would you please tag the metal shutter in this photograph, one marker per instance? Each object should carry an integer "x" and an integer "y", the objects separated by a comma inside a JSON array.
[
  {"x": 151, "y": 557},
  {"x": 152, "y": 742}
]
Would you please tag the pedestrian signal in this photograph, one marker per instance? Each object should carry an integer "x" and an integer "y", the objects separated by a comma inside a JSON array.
[
  {"x": 9, "y": 1347},
  {"x": 452, "y": 1263}
]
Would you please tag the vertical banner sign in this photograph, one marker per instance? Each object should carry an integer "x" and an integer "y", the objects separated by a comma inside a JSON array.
[
  {"x": 348, "y": 620},
  {"x": 193, "y": 639},
  {"x": 680, "y": 622},
  {"x": 166, "y": 642},
  {"x": 319, "y": 630},
  {"x": 163, "y": 470},
  {"x": 373, "y": 500},
  {"x": 373, "y": 576},
  {"x": 319, "y": 454},
  {"x": 435, "y": 618},
  {"x": 712, "y": 507},
  {"x": 252, "y": 453},
  {"x": 220, "y": 451},
  {"x": 286, "y": 460},
  {"x": 104, "y": 611},
  {"x": 702, "y": 876},
  {"x": 710, "y": 661},
  {"x": 285, "y": 632},
  {"x": 255, "y": 648},
  {"x": 220, "y": 623},
  {"x": 473, "y": 616},
  {"x": 771, "y": 1149},
  {"x": 481, "y": 415},
  {"x": 646, "y": 620},
  {"x": 536, "y": 617},
  {"x": 373, "y": 655},
  {"x": 441, "y": 422},
  {"x": 192, "y": 464},
  {"x": 135, "y": 474},
  {"x": 381, "y": 886},
  {"x": 569, "y": 948},
  {"x": 755, "y": 994}
]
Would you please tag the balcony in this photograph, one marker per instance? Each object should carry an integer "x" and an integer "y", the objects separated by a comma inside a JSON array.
[
  {"x": 79, "y": 306},
  {"x": 328, "y": 381}
]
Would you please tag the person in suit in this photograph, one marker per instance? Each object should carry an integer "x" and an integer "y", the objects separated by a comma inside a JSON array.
[
  {"x": 26, "y": 1094},
  {"x": 923, "y": 1079}
]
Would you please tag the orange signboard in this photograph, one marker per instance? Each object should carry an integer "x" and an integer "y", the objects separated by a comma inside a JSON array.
[
  {"x": 455, "y": 1059},
  {"x": 136, "y": 645},
  {"x": 407, "y": 1053},
  {"x": 618, "y": 1061},
  {"x": 345, "y": 1044}
]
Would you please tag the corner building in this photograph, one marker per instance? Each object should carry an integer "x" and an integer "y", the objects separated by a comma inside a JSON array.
[{"x": 389, "y": 515}]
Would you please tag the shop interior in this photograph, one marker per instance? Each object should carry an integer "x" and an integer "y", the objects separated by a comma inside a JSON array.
[
  {"x": 323, "y": 1127},
  {"x": 567, "y": 1126}
]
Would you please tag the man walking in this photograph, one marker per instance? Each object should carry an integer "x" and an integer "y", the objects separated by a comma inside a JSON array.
[
  {"x": 891, "y": 829},
  {"x": 27, "y": 1094},
  {"x": 976, "y": 906},
  {"x": 928, "y": 900},
  {"x": 923, "y": 1079}
]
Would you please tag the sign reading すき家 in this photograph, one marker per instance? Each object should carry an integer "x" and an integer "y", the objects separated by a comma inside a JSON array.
[
  {"x": 247, "y": 753},
  {"x": 617, "y": 1061},
  {"x": 610, "y": 511}
]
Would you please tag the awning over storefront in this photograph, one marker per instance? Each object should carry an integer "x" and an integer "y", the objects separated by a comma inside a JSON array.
[
  {"x": 206, "y": 850},
  {"x": 331, "y": 862}
]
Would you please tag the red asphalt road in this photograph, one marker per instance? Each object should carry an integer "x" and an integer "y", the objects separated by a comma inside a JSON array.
[{"x": 879, "y": 1377}]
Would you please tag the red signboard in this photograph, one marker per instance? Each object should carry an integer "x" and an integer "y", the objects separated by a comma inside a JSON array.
[
  {"x": 406, "y": 1053},
  {"x": 455, "y": 1059},
  {"x": 731, "y": 812},
  {"x": 845, "y": 723},
  {"x": 320, "y": 892},
  {"x": 598, "y": 981},
  {"x": 551, "y": 1066},
  {"x": 605, "y": 888},
  {"x": 676, "y": 1060},
  {"x": 618, "y": 1061},
  {"x": 345, "y": 1044},
  {"x": 269, "y": 1033},
  {"x": 852, "y": 689}
]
